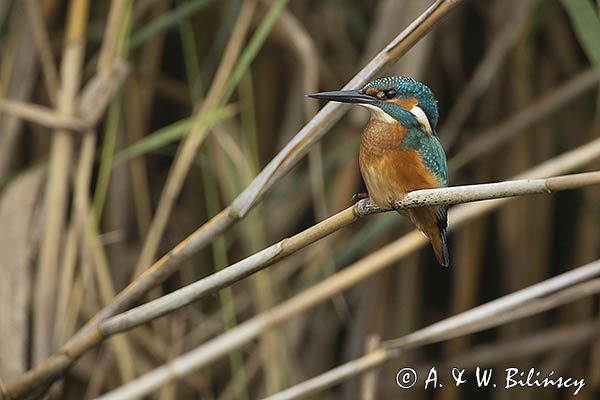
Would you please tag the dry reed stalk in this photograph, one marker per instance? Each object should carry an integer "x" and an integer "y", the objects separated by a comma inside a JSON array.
[
  {"x": 18, "y": 67},
  {"x": 537, "y": 343},
  {"x": 90, "y": 106},
  {"x": 543, "y": 296},
  {"x": 138, "y": 171},
  {"x": 252, "y": 367},
  {"x": 188, "y": 149},
  {"x": 553, "y": 101},
  {"x": 525, "y": 244},
  {"x": 138, "y": 102},
  {"x": 93, "y": 100},
  {"x": 17, "y": 245},
  {"x": 42, "y": 115},
  {"x": 300, "y": 43},
  {"x": 486, "y": 70},
  {"x": 76, "y": 228},
  {"x": 57, "y": 184},
  {"x": 369, "y": 380},
  {"x": 44, "y": 49},
  {"x": 101, "y": 373}
]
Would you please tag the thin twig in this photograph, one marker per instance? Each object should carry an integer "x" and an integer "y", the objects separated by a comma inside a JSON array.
[
  {"x": 92, "y": 103},
  {"x": 41, "y": 115}
]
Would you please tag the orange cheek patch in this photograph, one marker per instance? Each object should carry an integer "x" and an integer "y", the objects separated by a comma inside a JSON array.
[
  {"x": 372, "y": 91},
  {"x": 406, "y": 104}
]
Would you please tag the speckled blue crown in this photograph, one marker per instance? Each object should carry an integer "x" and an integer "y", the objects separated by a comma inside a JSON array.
[{"x": 407, "y": 87}]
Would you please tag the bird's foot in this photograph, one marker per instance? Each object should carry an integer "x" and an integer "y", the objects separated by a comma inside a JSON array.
[{"x": 359, "y": 196}]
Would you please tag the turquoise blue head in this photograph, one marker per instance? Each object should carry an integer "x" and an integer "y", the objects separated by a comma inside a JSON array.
[{"x": 400, "y": 98}]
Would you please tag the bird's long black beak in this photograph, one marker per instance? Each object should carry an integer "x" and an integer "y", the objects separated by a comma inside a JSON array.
[{"x": 344, "y": 96}]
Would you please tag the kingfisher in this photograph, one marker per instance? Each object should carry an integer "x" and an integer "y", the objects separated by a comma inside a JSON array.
[{"x": 400, "y": 151}]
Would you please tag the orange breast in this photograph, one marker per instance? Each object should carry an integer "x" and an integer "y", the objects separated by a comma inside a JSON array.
[{"x": 389, "y": 170}]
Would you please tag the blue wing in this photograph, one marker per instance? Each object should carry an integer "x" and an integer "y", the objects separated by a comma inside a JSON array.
[
  {"x": 431, "y": 151},
  {"x": 434, "y": 159}
]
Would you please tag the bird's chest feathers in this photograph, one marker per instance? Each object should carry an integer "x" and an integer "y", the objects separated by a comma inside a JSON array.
[{"x": 389, "y": 167}]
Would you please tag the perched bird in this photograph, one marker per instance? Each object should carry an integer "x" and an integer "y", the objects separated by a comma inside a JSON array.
[{"x": 400, "y": 151}]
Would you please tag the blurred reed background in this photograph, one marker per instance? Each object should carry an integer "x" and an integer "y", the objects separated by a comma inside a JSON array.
[{"x": 121, "y": 85}]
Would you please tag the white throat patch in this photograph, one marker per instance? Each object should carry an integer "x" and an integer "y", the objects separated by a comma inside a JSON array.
[
  {"x": 378, "y": 114},
  {"x": 422, "y": 118}
]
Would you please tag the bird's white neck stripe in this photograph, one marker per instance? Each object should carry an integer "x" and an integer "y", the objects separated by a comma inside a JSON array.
[
  {"x": 380, "y": 115},
  {"x": 422, "y": 118}
]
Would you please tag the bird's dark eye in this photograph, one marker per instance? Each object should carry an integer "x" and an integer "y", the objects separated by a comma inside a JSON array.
[{"x": 390, "y": 93}]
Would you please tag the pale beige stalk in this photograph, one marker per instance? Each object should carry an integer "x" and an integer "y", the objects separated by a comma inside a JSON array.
[{"x": 57, "y": 185}]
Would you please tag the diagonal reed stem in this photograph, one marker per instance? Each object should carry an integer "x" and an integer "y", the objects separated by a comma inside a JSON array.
[
  {"x": 543, "y": 296},
  {"x": 88, "y": 336}
]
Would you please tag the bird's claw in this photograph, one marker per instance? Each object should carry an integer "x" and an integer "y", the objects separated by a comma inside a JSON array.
[{"x": 359, "y": 196}]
